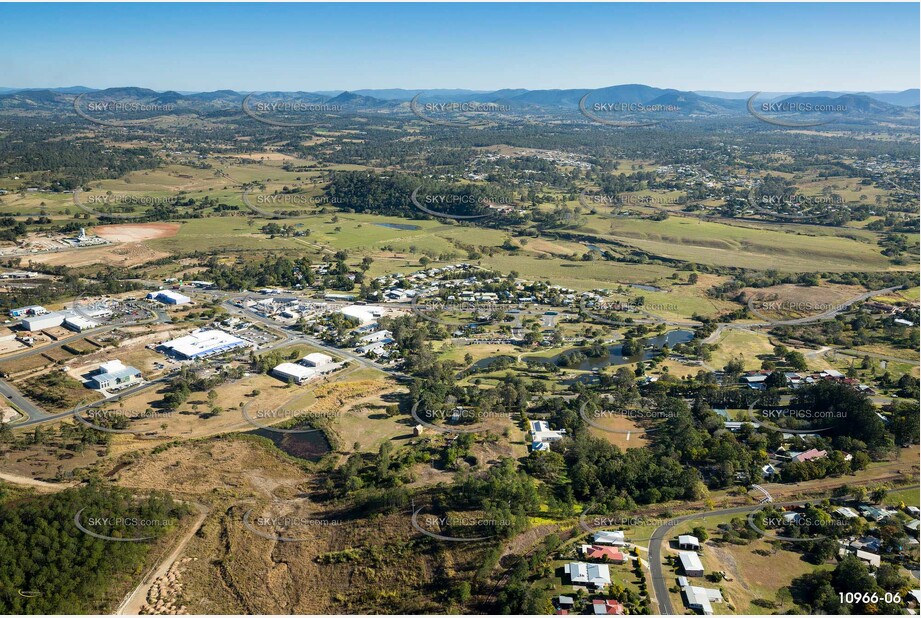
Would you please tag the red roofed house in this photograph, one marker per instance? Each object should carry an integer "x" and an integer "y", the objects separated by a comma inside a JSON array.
[
  {"x": 809, "y": 455},
  {"x": 600, "y": 552},
  {"x": 607, "y": 607}
]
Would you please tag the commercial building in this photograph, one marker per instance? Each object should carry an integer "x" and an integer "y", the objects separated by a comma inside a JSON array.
[
  {"x": 114, "y": 375},
  {"x": 169, "y": 297},
  {"x": 291, "y": 372},
  {"x": 202, "y": 343}
]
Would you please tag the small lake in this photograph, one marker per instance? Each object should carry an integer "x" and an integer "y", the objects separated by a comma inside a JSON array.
[
  {"x": 650, "y": 346},
  {"x": 309, "y": 445},
  {"x": 646, "y": 288},
  {"x": 405, "y": 227}
]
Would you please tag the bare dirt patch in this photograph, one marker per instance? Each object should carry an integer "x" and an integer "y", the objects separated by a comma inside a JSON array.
[{"x": 136, "y": 232}]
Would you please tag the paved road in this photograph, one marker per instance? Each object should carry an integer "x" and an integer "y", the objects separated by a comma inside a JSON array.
[{"x": 660, "y": 584}]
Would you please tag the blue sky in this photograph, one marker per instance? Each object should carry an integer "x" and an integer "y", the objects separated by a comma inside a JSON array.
[{"x": 770, "y": 47}]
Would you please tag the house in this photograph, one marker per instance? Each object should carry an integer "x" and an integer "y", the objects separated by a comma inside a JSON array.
[
  {"x": 541, "y": 433},
  {"x": 690, "y": 542},
  {"x": 868, "y": 544},
  {"x": 564, "y": 602},
  {"x": 607, "y": 607},
  {"x": 792, "y": 517},
  {"x": 583, "y": 573},
  {"x": 701, "y": 599},
  {"x": 865, "y": 556},
  {"x": 768, "y": 470},
  {"x": 691, "y": 564},
  {"x": 418, "y": 430},
  {"x": 607, "y": 537},
  {"x": 114, "y": 375},
  {"x": 847, "y": 512},
  {"x": 602, "y": 552},
  {"x": 809, "y": 455},
  {"x": 871, "y": 512}
]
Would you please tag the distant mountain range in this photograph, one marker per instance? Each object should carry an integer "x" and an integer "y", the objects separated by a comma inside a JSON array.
[{"x": 686, "y": 103}]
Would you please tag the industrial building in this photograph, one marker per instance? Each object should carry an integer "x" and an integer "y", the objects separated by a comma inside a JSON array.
[
  {"x": 114, "y": 375},
  {"x": 169, "y": 297},
  {"x": 316, "y": 359},
  {"x": 365, "y": 314},
  {"x": 202, "y": 343},
  {"x": 22, "y": 312},
  {"x": 48, "y": 320},
  {"x": 291, "y": 372},
  {"x": 79, "y": 323}
]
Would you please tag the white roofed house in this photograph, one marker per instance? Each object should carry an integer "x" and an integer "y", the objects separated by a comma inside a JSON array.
[
  {"x": 701, "y": 598},
  {"x": 541, "y": 434},
  {"x": 690, "y": 542},
  {"x": 607, "y": 537},
  {"x": 583, "y": 573}
]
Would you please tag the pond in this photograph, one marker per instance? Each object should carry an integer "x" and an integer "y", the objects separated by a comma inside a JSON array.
[
  {"x": 646, "y": 288},
  {"x": 310, "y": 445},
  {"x": 650, "y": 346},
  {"x": 406, "y": 227}
]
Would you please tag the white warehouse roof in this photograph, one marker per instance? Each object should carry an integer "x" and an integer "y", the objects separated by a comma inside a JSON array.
[
  {"x": 203, "y": 342},
  {"x": 316, "y": 359}
]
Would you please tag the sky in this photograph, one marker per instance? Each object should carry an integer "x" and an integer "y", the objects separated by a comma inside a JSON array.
[{"x": 252, "y": 47}]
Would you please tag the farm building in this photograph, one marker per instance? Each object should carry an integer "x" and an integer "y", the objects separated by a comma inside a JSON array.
[
  {"x": 691, "y": 564},
  {"x": 689, "y": 542}
]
